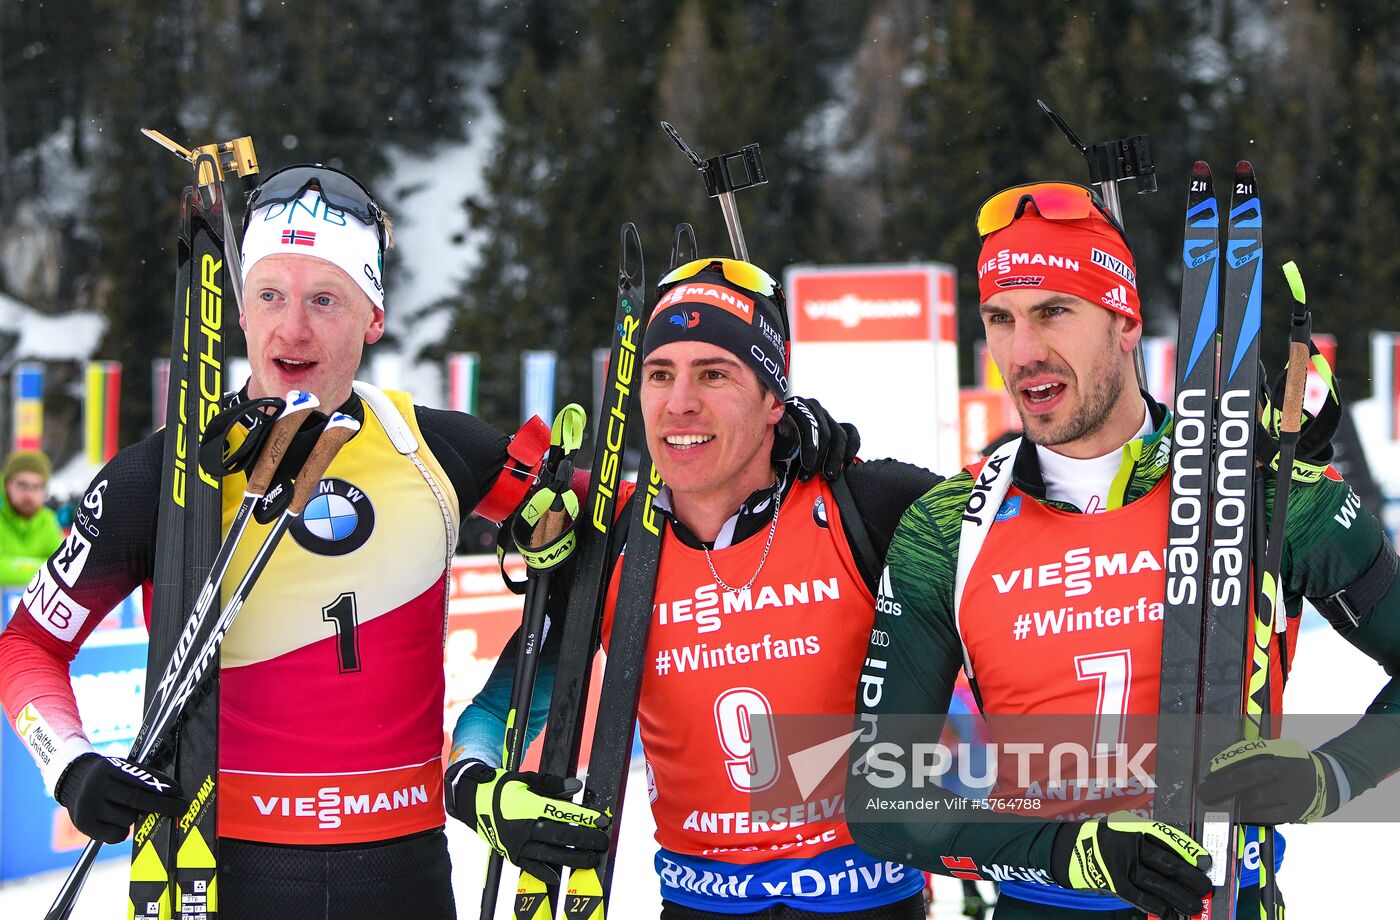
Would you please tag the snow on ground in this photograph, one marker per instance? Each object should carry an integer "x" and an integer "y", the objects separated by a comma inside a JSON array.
[{"x": 1330, "y": 869}]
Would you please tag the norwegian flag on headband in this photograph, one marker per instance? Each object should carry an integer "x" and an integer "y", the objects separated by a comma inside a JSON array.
[{"x": 298, "y": 238}]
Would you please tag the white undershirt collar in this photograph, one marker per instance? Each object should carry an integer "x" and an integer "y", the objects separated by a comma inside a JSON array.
[{"x": 1086, "y": 483}]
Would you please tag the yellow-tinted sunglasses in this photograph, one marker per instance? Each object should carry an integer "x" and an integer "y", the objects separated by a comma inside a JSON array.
[
  {"x": 1053, "y": 201},
  {"x": 745, "y": 274}
]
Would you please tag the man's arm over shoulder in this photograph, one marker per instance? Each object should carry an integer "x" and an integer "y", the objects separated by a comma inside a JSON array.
[
  {"x": 883, "y": 490},
  {"x": 910, "y": 669},
  {"x": 108, "y": 554}
]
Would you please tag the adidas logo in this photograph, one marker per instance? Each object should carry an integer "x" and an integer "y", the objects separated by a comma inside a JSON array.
[
  {"x": 1117, "y": 299},
  {"x": 884, "y": 601}
]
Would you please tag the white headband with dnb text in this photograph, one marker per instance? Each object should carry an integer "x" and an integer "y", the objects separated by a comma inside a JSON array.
[{"x": 311, "y": 227}]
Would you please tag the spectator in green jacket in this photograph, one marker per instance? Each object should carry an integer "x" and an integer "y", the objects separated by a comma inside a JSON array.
[{"x": 29, "y": 532}]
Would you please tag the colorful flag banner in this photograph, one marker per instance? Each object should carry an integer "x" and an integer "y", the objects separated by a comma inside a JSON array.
[
  {"x": 1316, "y": 393},
  {"x": 537, "y": 372},
  {"x": 101, "y": 410},
  {"x": 986, "y": 372},
  {"x": 1385, "y": 388},
  {"x": 462, "y": 370},
  {"x": 28, "y": 389},
  {"x": 160, "y": 385}
]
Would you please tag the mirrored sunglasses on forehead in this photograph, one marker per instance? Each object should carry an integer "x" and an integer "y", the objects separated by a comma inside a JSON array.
[
  {"x": 338, "y": 190},
  {"x": 1052, "y": 200},
  {"x": 745, "y": 274}
]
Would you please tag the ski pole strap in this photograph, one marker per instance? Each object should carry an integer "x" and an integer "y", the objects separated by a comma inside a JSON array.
[
  {"x": 524, "y": 456},
  {"x": 542, "y": 529},
  {"x": 1314, "y": 452},
  {"x": 558, "y": 538},
  {"x": 1345, "y": 608},
  {"x": 215, "y": 457}
]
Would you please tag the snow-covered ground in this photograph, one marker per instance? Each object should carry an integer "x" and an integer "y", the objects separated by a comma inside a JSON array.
[{"x": 1331, "y": 870}]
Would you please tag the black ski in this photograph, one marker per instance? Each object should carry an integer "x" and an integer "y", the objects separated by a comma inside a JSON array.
[
  {"x": 611, "y": 753},
  {"x": 190, "y": 528},
  {"x": 1231, "y": 596},
  {"x": 1193, "y": 410},
  {"x": 208, "y": 287},
  {"x": 595, "y": 552}
]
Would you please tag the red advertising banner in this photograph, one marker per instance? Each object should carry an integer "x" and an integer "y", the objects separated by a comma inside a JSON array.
[{"x": 872, "y": 304}]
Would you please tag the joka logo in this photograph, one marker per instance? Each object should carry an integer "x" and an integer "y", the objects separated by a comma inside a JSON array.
[
  {"x": 1117, "y": 299},
  {"x": 689, "y": 322},
  {"x": 337, "y": 521},
  {"x": 298, "y": 238},
  {"x": 819, "y": 512}
]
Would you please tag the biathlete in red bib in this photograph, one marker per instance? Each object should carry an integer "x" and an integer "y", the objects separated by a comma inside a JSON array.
[
  {"x": 1041, "y": 571},
  {"x": 761, "y": 607}
]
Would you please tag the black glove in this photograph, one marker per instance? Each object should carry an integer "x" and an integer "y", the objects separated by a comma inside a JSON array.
[
  {"x": 105, "y": 796},
  {"x": 527, "y": 817},
  {"x": 1272, "y": 782},
  {"x": 1151, "y": 865},
  {"x": 820, "y": 443}
]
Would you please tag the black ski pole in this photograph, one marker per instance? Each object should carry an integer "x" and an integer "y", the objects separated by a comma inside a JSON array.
[
  {"x": 544, "y": 534},
  {"x": 188, "y": 667}
]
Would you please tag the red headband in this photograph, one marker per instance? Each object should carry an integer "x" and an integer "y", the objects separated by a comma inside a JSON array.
[{"x": 1087, "y": 258}]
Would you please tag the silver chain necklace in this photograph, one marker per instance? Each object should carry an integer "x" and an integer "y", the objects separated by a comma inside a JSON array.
[{"x": 767, "y": 547}]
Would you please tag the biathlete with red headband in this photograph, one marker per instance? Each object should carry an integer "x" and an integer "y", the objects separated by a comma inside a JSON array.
[
  {"x": 304, "y": 714},
  {"x": 762, "y": 607},
  {"x": 1011, "y": 570}
]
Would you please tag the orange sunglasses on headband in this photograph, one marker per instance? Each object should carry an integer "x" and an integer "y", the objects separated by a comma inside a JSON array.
[{"x": 1053, "y": 201}]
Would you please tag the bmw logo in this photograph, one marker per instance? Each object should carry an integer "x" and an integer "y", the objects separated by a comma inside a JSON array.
[
  {"x": 819, "y": 512},
  {"x": 337, "y": 521}
]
